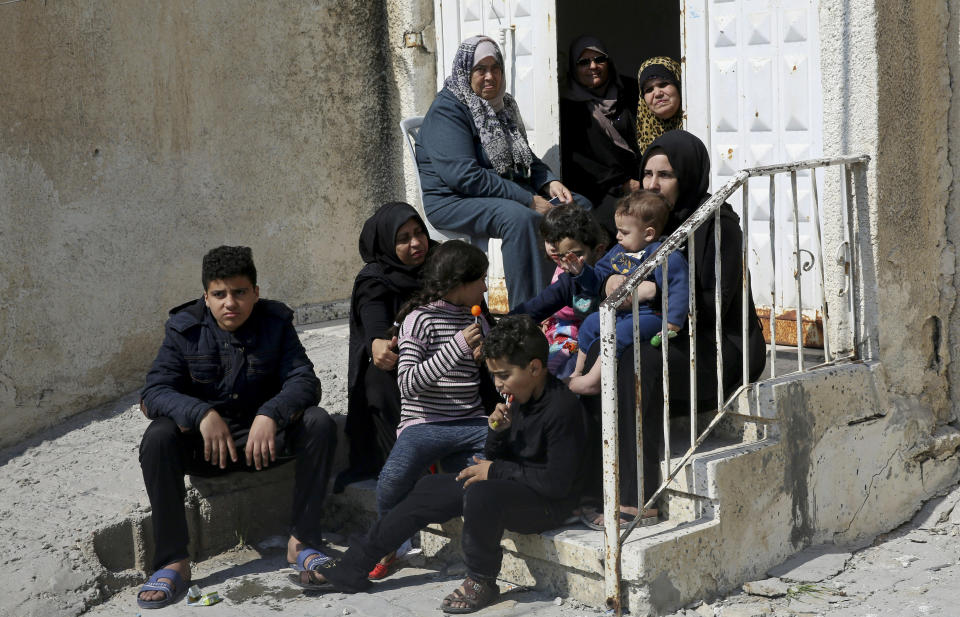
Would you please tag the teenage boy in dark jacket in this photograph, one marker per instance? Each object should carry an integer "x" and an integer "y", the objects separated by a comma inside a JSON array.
[
  {"x": 231, "y": 388},
  {"x": 527, "y": 482}
]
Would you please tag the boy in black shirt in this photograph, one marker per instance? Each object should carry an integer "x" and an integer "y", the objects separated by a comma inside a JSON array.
[{"x": 528, "y": 481}]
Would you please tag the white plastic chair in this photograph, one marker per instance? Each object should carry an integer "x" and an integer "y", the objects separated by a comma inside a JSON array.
[
  {"x": 411, "y": 130},
  {"x": 495, "y": 277}
]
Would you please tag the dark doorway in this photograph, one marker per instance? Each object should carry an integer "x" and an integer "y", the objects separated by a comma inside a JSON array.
[{"x": 634, "y": 31}]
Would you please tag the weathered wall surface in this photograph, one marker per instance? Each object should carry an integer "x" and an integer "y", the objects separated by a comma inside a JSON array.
[
  {"x": 952, "y": 44},
  {"x": 414, "y": 71},
  {"x": 842, "y": 468},
  {"x": 135, "y": 136},
  {"x": 887, "y": 93}
]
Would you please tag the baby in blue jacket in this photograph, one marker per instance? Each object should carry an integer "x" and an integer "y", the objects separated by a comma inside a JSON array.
[{"x": 640, "y": 218}]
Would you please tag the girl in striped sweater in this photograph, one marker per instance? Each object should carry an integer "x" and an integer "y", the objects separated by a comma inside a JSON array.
[{"x": 442, "y": 416}]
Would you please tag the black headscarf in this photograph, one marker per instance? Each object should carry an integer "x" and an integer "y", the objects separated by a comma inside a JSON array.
[
  {"x": 384, "y": 275},
  {"x": 602, "y": 105},
  {"x": 691, "y": 164},
  {"x": 378, "y": 247},
  {"x": 577, "y": 47}
]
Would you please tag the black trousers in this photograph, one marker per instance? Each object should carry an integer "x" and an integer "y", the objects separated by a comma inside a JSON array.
[
  {"x": 488, "y": 508},
  {"x": 167, "y": 454},
  {"x": 627, "y": 426}
]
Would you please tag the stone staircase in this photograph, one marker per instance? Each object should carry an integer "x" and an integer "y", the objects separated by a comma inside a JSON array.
[{"x": 754, "y": 494}]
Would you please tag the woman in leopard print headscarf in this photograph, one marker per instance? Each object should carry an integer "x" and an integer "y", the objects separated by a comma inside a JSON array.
[{"x": 660, "y": 108}]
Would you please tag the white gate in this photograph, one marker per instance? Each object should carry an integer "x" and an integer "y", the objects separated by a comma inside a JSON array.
[{"x": 759, "y": 63}]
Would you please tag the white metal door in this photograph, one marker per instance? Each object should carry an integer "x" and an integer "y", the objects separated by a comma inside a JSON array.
[{"x": 753, "y": 94}]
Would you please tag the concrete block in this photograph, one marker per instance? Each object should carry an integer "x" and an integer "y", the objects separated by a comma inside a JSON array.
[
  {"x": 813, "y": 565},
  {"x": 769, "y": 588},
  {"x": 238, "y": 508},
  {"x": 352, "y": 511},
  {"x": 752, "y": 609}
]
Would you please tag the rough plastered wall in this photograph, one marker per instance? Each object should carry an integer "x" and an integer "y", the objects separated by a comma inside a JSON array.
[
  {"x": 886, "y": 86},
  {"x": 953, "y": 207},
  {"x": 414, "y": 70},
  {"x": 134, "y": 136}
]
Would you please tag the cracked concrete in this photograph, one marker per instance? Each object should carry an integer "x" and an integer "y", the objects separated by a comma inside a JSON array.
[
  {"x": 910, "y": 571},
  {"x": 869, "y": 489}
]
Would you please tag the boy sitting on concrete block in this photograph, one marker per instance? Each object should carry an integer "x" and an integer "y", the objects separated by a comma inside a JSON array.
[
  {"x": 528, "y": 480},
  {"x": 231, "y": 388}
]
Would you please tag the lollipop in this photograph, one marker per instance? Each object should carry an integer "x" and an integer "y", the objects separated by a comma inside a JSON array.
[
  {"x": 475, "y": 310},
  {"x": 508, "y": 399}
]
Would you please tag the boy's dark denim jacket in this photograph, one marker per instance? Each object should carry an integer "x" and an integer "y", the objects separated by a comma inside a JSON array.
[{"x": 261, "y": 368}]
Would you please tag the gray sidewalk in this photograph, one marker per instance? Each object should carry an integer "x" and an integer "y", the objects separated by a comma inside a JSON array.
[{"x": 254, "y": 583}]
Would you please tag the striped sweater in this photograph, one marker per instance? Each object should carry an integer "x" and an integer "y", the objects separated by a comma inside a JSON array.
[{"x": 437, "y": 375}]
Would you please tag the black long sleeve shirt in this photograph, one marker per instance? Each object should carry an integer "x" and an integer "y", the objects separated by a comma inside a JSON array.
[{"x": 544, "y": 446}]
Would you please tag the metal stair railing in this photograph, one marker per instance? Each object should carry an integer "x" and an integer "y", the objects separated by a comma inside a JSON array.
[{"x": 861, "y": 336}]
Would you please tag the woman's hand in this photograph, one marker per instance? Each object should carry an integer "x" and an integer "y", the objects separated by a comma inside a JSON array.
[
  {"x": 630, "y": 186},
  {"x": 384, "y": 356},
  {"x": 646, "y": 291},
  {"x": 556, "y": 189},
  {"x": 472, "y": 335},
  {"x": 541, "y": 205},
  {"x": 613, "y": 282}
]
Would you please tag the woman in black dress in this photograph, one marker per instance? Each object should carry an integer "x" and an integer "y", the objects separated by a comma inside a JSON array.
[
  {"x": 677, "y": 165},
  {"x": 393, "y": 245},
  {"x": 598, "y": 129}
]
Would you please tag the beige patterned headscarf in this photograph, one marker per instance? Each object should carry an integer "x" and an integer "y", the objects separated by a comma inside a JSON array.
[{"x": 649, "y": 127}]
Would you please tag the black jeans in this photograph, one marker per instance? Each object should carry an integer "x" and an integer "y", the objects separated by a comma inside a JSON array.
[
  {"x": 167, "y": 454},
  {"x": 488, "y": 508}
]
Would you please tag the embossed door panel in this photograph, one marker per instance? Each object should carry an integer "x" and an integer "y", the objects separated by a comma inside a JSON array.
[{"x": 753, "y": 94}]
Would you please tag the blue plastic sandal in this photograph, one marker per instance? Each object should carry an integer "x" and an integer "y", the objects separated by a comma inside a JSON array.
[
  {"x": 306, "y": 555},
  {"x": 172, "y": 593}
]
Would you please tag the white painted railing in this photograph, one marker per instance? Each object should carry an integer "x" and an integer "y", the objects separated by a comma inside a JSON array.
[{"x": 859, "y": 340}]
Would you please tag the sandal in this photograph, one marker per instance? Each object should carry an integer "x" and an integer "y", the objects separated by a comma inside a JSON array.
[
  {"x": 476, "y": 595},
  {"x": 307, "y": 579},
  {"x": 316, "y": 559},
  {"x": 590, "y": 518},
  {"x": 172, "y": 593}
]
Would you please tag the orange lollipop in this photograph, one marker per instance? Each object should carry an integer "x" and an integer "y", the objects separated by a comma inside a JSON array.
[{"x": 475, "y": 310}]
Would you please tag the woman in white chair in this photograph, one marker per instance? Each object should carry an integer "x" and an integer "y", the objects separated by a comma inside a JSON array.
[{"x": 477, "y": 171}]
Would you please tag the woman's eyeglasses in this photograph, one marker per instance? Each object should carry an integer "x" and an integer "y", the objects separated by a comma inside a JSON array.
[{"x": 598, "y": 60}]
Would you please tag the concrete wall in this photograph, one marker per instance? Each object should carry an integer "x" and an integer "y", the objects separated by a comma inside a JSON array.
[
  {"x": 844, "y": 465},
  {"x": 887, "y": 93},
  {"x": 949, "y": 269},
  {"x": 414, "y": 71},
  {"x": 134, "y": 136}
]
